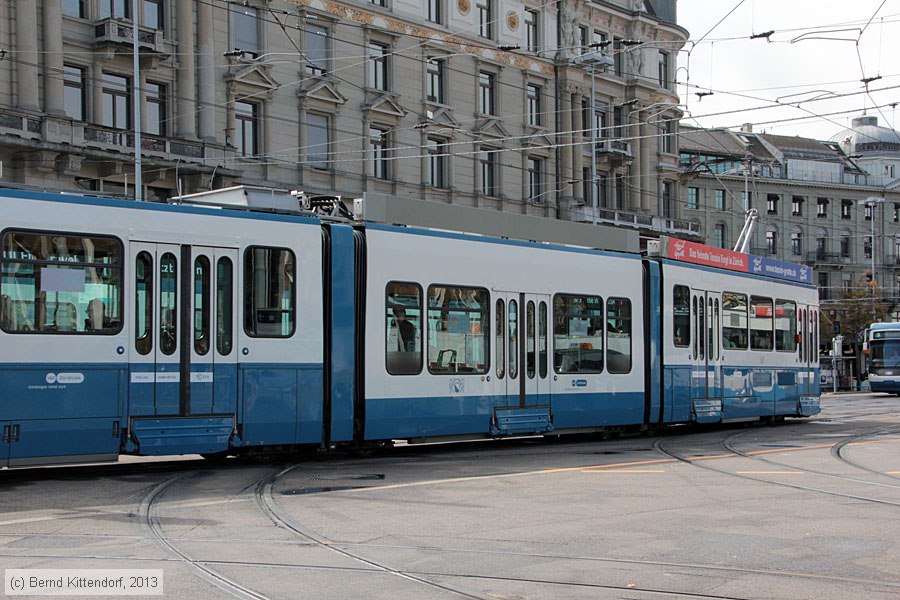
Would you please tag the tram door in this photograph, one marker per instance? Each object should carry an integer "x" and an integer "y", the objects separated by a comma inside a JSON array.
[
  {"x": 706, "y": 348},
  {"x": 807, "y": 350},
  {"x": 213, "y": 365},
  {"x": 522, "y": 349},
  {"x": 182, "y": 335}
]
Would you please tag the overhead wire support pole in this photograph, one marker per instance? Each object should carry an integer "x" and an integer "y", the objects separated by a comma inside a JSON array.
[{"x": 136, "y": 90}]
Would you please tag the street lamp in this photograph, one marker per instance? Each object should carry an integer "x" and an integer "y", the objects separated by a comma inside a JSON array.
[
  {"x": 871, "y": 201},
  {"x": 593, "y": 59}
]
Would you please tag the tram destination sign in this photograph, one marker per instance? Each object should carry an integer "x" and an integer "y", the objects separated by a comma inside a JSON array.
[{"x": 711, "y": 256}]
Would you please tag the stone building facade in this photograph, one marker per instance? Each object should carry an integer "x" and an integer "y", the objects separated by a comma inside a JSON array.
[{"x": 474, "y": 102}]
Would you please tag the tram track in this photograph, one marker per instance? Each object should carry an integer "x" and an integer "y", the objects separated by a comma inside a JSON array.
[
  {"x": 704, "y": 462},
  {"x": 152, "y": 525}
]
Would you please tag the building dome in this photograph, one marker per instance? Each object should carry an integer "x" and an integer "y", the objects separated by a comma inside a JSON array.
[{"x": 866, "y": 136}]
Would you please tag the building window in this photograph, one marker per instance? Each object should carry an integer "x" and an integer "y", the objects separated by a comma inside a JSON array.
[
  {"x": 719, "y": 235},
  {"x": 867, "y": 246},
  {"x": 436, "y": 175},
  {"x": 245, "y": 30},
  {"x": 869, "y": 210},
  {"x": 668, "y": 199},
  {"x": 621, "y": 199},
  {"x": 435, "y": 12},
  {"x": 720, "y": 199},
  {"x": 693, "y": 197},
  {"x": 378, "y": 2},
  {"x": 378, "y": 148},
  {"x": 486, "y": 93},
  {"x": 820, "y": 248},
  {"x": 377, "y": 66},
  {"x": 117, "y": 9},
  {"x": 797, "y": 206},
  {"x": 152, "y": 14},
  {"x": 434, "y": 80},
  {"x": 318, "y": 139},
  {"x": 668, "y": 134},
  {"x": 772, "y": 204},
  {"x": 488, "y": 164},
  {"x": 246, "y": 121},
  {"x": 532, "y": 31},
  {"x": 821, "y": 207},
  {"x": 485, "y": 19},
  {"x": 663, "y": 60},
  {"x": 156, "y": 108},
  {"x": 796, "y": 243},
  {"x": 618, "y": 57},
  {"x": 534, "y": 105},
  {"x": 316, "y": 49},
  {"x": 582, "y": 40},
  {"x": 772, "y": 241},
  {"x": 845, "y": 245},
  {"x": 846, "y": 207},
  {"x": 73, "y": 92},
  {"x": 116, "y": 101},
  {"x": 75, "y": 8},
  {"x": 896, "y": 213},
  {"x": 535, "y": 179}
]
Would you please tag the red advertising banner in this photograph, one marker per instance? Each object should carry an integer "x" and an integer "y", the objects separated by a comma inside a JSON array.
[{"x": 701, "y": 254}]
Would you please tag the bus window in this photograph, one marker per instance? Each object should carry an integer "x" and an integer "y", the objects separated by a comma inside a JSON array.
[
  {"x": 734, "y": 321},
  {"x": 500, "y": 338},
  {"x": 681, "y": 316},
  {"x": 577, "y": 334},
  {"x": 143, "y": 307},
  {"x": 202, "y": 301},
  {"x": 785, "y": 326},
  {"x": 761, "y": 321},
  {"x": 618, "y": 335},
  {"x": 458, "y": 329},
  {"x": 224, "y": 306},
  {"x": 57, "y": 283},
  {"x": 269, "y": 292},
  {"x": 403, "y": 328}
]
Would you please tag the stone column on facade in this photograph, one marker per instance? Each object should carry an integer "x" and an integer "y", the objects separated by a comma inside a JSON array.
[
  {"x": 54, "y": 102},
  {"x": 577, "y": 148},
  {"x": 638, "y": 166},
  {"x": 206, "y": 61},
  {"x": 186, "y": 92},
  {"x": 95, "y": 77},
  {"x": 649, "y": 183},
  {"x": 565, "y": 142},
  {"x": 27, "y": 95}
]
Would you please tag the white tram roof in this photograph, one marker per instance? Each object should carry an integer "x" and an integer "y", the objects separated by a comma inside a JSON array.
[{"x": 398, "y": 210}]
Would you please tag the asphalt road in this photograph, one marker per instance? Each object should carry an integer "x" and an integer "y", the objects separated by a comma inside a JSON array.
[{"x": 806, "y": 509}]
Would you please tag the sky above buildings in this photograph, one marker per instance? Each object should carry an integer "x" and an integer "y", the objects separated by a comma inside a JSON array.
[{"x": 804, "y": 79}]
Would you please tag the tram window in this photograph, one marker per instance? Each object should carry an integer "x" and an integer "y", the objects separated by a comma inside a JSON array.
[
  {"x": 542, "y": 341},
  {"x": 513, "y": 332},
  {"x": 224, "y": 306},
  {"x": 804, "y": 335},
  {"x": 143, "y": 305},
  {"x": 814, "y": 324},
  {"x": 734, "y": 321},
  {"x": 701, "y": 327},
  {"x": 58, "y": 283},
  {"x": 716, "y": 336},
  {"x": 403, "y": 328},
  {"x": 696, "y": 326},
  {"x": 269, "y": 292},
  {"x": 785, "y": 326},
  {"x": 458, "y": 330},
  {"x": 500, "y": 339},
  {"x": 530, "y": 347},
  {"x": 618, "y": 335},
  {"x": 577, "y": 334},
  {"x": 681, "y": 316},
  {"x": 202, "y": 302},
  {"x": 168, "y": 303},
  {"x": 761, "y": 322}
]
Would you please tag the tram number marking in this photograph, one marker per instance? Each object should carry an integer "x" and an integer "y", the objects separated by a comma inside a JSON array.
[{"x": 201, "y": 377}]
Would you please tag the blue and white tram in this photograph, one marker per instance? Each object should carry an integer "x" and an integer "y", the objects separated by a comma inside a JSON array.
[
  {"x": 884, "y": 357},
  {"x": 148, "y": 329}
]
